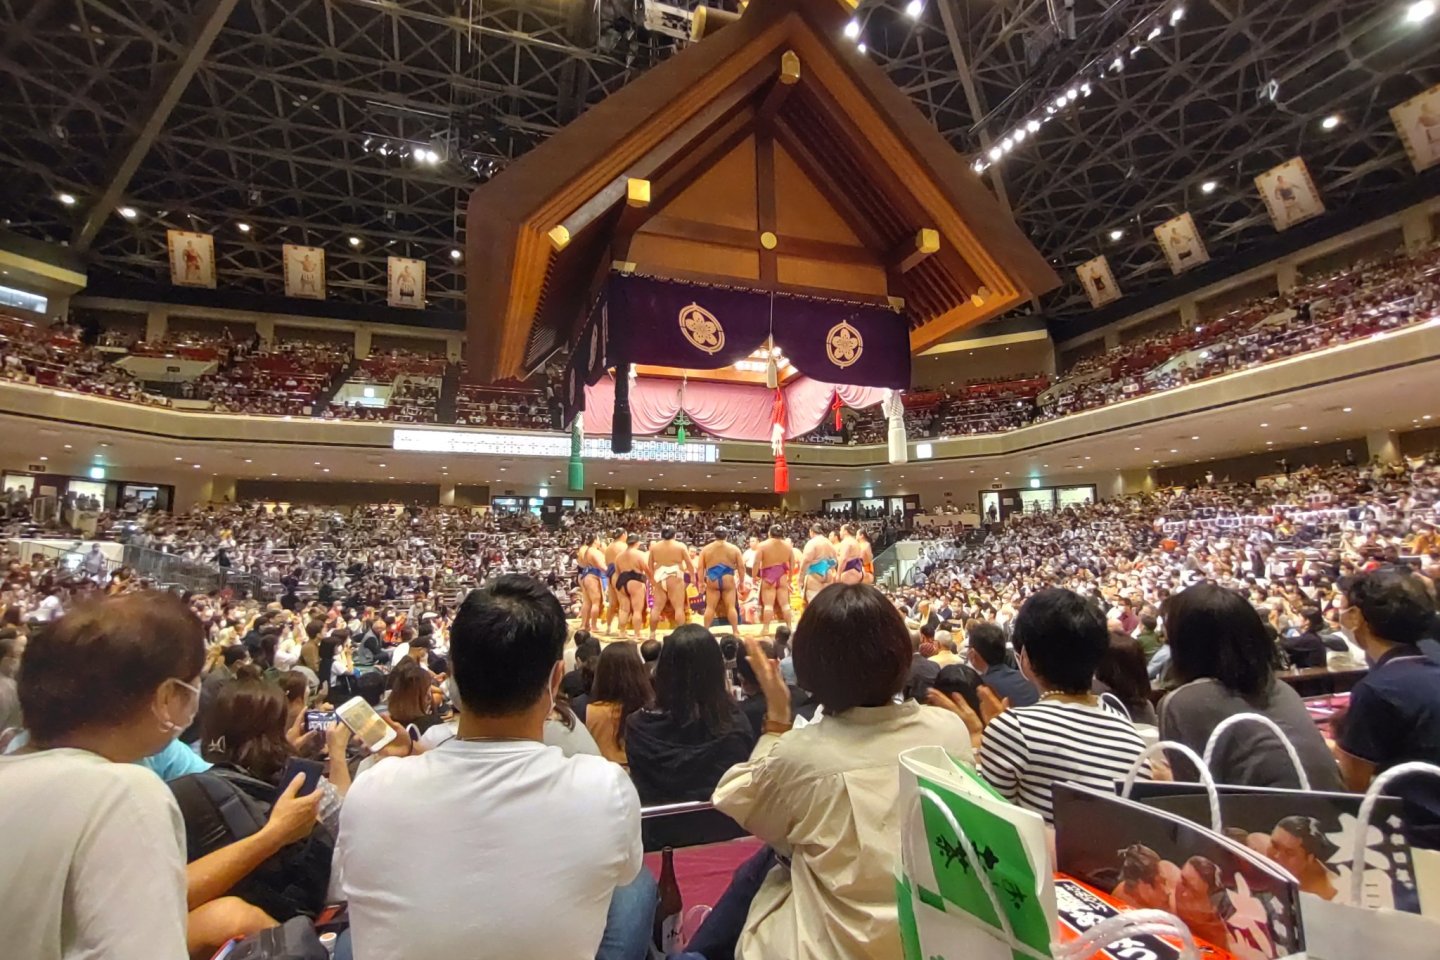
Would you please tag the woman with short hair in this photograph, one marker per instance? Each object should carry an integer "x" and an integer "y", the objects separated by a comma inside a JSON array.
[
  {"x": 98, "y": 838},
  {"x": 827, "y": 794},
  {"x": 1221, "y": 654}
]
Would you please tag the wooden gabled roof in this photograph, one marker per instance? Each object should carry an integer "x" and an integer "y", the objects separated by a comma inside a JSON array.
[{"x": 772, "y": 154}]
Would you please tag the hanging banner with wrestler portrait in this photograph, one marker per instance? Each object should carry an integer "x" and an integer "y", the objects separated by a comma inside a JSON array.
[
  {"x": 1098, "y": 281},
  {"x": 304, "y": 271},
  {"x": 1289, "y": 194},
  {"x": 406, "y": 282},
  {"x": 1181, "y": 243},
  {"x": 192, "y": 258},
  {"x": 702, "y": 327},
  {"x": 1417, "y": 120}
]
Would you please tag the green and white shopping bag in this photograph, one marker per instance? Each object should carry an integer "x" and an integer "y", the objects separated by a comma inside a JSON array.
[{"x": 976, "y": 881}]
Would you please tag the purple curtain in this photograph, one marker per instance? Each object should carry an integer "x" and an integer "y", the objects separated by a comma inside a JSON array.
[
  {"x": 705, "y": 327},
  {"x": 732, "y": 411}
]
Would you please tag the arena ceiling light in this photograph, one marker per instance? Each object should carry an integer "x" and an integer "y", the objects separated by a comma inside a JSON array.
[
  {"x": 1420, "y": 11},
  {"x": 861, "y": 47},
  {"x": 454, "y": 254},
  {"x": 914, "y": 9},
  {"x": 354, "y": 241},
  {"x": 1116, "y": 234},
  {"x": 852, "y": 30},
  {"x": 129, "y": 213},
  {"x": 67, "y": 198},
  {"x": 1208, "y": 186},
  {"x": 1177, "y": 15},
  {"x": 1330, "y": 122},
  {"x": 243, "y": 227}
]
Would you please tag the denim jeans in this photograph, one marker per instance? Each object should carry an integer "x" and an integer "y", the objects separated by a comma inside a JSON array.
[
  {"x": 631, "y": 921},
  {"x": 628, "y": 926},
  {"x": 719, "y": 935}
]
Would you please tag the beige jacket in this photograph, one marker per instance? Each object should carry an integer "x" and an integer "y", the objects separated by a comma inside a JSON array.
[{"x": 826, "y": 796}]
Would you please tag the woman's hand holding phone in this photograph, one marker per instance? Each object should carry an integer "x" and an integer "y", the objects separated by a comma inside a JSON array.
[{"x": 292, "y": 817}]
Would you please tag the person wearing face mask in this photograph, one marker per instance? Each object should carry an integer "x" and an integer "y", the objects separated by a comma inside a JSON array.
[
  {"x": 495, "y": 797},
  {"x": 97, "y": 840},
  {"x": 1394, "y": 714}
]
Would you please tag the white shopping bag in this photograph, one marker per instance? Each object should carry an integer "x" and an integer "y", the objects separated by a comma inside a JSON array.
[{"x": 1340, "y": 931}]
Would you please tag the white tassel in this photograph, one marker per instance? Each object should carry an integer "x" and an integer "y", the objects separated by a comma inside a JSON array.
[
  {"x": 895, "y": 414},
  {"x": 772, "y": 369}
]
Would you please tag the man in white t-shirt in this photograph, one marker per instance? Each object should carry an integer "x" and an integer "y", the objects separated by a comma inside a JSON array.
[{"x": 528, "y": 853}]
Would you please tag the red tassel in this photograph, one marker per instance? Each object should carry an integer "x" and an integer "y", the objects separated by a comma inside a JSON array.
[
  {"x": 837, "y": 406},
  {"x": 782, "y": 475}
]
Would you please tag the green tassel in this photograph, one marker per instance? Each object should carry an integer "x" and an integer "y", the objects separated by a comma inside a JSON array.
[
  {"x": 680, "y": 433},
  {"x": 577, "y": 465}
]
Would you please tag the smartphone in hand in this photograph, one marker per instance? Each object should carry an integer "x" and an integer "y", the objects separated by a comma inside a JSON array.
[
  {"x": 311, "y": 770},
  {"x": 368, "y": 725},
  {"x": 318, "y": 720}
]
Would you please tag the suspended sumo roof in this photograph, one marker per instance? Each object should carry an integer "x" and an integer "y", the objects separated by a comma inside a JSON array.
[{"x": 771, "y": 156}]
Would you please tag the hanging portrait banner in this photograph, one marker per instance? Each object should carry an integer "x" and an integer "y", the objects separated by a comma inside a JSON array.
[
  {"x": 1289, "y": 194},
  {"x": 1098, "y": 281},
  {"x": 1181, "y": 243},
  {"x": 406, "y": 282},
  {"x": 304, "y": 272},
  {"x": 1417, "y": 120},
  {"x": 702, "y": 327},
  {"x": 192, "y": 258}
]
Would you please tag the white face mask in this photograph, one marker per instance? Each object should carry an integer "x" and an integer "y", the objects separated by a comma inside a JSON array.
[{"x": 171, "y": 727}]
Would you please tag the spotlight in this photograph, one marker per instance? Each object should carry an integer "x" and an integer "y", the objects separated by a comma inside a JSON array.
[
  {"x": 994, "y": 153},
  {"x": 1117, "y": 65},
  {"x": 1019, "y": 134},
  {"x": 454, "y": 254},
  {"x": 129, "y": 213},
  {"x": 67, "y": 198},
  {"x": 1177, "y": 15},
  {"x": 1208, "y": 186},
  {"x": 1072, "y": 93},
  {"x": 1085, "y": 89},
  {"x": 354, "y": 241},
  {"x": 1033, "y": 126},
  {"x": 1116, "y": 234},
  {"x": 861, "y": 47},
  {"x": 1006, "y": 145},
  {"x": 243, "y": 227},
  {"x": 914, "y": 9},
  {"x": 1420, "y": 11},
  {"x": 852, "y": 29},
  {"x": 1155, "y": 31},
  {"x": 1330, "y": 122}
]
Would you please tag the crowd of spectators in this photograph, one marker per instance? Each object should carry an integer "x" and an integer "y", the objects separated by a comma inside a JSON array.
[{"x": 511, "y": 408}]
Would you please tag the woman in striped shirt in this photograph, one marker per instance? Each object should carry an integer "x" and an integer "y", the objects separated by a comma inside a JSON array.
[{"x": 1070, "y": 735}]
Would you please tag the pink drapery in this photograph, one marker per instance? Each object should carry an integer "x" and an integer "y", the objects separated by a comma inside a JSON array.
[{"x": 732, "y": 411}]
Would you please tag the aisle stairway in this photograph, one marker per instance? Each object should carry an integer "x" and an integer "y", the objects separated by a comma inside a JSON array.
[
  {"x": 328, "y": 394},
  {"x": 449, "y": 391}
]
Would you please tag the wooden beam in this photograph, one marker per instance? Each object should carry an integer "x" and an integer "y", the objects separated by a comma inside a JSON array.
[
  {"x": 765, "y": 202},
  {"x": 723, "y": 236},
  {"x": 800, "y": 290},
  {"x": 909, "y": 255},
  {"x": 788, "y": 77}
]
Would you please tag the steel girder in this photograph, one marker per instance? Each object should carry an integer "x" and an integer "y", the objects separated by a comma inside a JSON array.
[{"x": 302, "y": 117}]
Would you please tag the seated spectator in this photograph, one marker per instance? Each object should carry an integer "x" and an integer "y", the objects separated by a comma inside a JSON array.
[
  {"x": 1307, "y": 649},
  {"x": 696, "y": 732},
  {"x": 987, "y": 656},
  {"x": 98, "y": 838},
  {"x": 528, "y": 853},
  {"x": 1394, "y": 714},
  {"x": 753, "y": 702},
  {"x": 622, "y": 686},
  {"x": 826, "y": 794},
  {"x": 1222, "y": 657},
  {"x": 411, "y": 701},
  {"x": 1069, "y": 734},
  {"x": 1121, "y": 673}
]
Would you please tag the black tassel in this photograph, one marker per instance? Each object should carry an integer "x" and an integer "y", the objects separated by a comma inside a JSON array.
[{"x": 621, "y": 431}]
